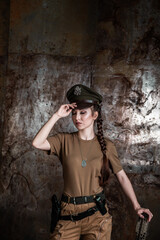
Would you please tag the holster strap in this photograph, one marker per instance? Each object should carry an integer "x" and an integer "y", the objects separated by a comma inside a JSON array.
[
  {"x": 82, "y": 199},
  {"x": 79, "y": 216}
]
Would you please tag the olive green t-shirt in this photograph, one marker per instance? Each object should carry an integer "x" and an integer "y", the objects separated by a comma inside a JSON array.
[{"x": 78, "y": 180}]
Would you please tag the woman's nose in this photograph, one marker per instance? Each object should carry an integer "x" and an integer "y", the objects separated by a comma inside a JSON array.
[{"x": 77, "y": 116}]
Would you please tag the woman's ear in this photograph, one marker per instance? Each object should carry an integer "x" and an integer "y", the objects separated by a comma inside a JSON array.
[{"x": 95, "y": 115}]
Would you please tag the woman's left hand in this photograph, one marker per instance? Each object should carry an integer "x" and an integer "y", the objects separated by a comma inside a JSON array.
[
  {"x": 129, "y": 191},
  {"x": 141, "y": 210}
]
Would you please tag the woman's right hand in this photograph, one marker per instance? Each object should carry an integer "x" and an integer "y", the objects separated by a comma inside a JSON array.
[{"x": 65, "y": 109}]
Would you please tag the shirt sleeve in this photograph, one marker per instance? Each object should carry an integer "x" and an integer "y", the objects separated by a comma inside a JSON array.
[
  {"x": 113, "y": 158},
  {"x": 55, "y": 144}
]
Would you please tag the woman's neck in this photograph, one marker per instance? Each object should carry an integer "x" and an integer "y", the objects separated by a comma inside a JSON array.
[{"x": 86, "y": 134}]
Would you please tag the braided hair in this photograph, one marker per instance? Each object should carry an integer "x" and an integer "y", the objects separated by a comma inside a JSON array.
[{"x": 105, "y": 172}]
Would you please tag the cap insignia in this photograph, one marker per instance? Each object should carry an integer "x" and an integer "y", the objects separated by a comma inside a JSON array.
[{"x": 77, "y": 91}]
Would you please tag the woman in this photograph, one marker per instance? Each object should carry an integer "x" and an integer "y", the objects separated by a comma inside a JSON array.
[{"x": 87, "y": 159}]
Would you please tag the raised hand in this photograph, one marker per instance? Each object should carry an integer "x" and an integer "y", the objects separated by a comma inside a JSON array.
[{"x": 65, "y": 110}]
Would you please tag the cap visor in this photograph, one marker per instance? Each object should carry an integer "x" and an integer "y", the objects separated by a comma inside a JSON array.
[{"x": 82, "y": 105}]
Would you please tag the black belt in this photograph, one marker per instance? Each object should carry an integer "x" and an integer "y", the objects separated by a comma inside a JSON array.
[
  {"x": 79, "y": 216},
  {"x": 83, "y": 199}
]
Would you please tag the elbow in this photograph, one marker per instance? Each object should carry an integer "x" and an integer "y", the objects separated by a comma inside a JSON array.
[
  {"x": 121, "y": 180},
  {"x": 34, "y": 144},
  {"x": 122, "y": 177}
]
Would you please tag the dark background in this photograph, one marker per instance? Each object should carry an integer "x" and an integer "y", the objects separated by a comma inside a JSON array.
[{"x": 46, "y": 46}]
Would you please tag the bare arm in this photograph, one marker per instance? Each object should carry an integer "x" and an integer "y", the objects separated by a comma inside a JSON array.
[
  {"x": 128, "y": 190},
  {"x": 40, "y": 140}
]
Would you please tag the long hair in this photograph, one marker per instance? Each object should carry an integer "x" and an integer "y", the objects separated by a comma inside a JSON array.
[{"x": 105, "y": 171}]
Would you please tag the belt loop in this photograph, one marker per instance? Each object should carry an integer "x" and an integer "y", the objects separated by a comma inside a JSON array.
[
  {"x": 73, "y": 215},
  {"x": 72, "y": 218},
  {"x": 74, "y": 200},
  {"x": 69, "y": 199}
]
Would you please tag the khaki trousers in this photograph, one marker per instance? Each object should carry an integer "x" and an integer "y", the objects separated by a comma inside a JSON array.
[{"x": 95, "y": 227}]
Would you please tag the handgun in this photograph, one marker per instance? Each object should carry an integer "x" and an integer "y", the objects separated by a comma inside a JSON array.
[{"x": 142, "y": 227}]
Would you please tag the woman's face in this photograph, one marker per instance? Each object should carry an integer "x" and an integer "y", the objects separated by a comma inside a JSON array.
[{"x": 83, "y": 118}]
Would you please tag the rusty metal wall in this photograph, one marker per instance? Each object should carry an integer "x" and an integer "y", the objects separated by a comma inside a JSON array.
[
  {"x": 57, "y": 27},
  {"x": 51, "y": 44},
  {"x": 126, "y": 72},
  {"x": 110, "y": 45},
  {"x": 4, "y": 36},
  {"x": 127, "y": 68}
]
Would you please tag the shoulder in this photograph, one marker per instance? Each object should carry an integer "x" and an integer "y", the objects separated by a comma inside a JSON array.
[
  {"x": 62, "y": 134},
  {"x": 58, "y": 136},
  {"x": 68, "y": 134},
  {"x": 65, "y": 135},
  {"x": 109, "y": 143}
]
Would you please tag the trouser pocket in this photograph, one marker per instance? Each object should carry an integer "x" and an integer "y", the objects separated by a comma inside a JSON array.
[{"x": 105, "y": 228}]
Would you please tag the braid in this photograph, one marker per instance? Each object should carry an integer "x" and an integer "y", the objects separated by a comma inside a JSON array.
[{"x": 105, "y": 173}]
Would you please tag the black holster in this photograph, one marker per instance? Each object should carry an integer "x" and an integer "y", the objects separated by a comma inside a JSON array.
[
  {"x": 100, "y": 205},
  {"x": 55, "y": 214}
]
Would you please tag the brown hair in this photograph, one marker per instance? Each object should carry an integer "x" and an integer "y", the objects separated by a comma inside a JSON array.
[{"x": 105, "y": 172}]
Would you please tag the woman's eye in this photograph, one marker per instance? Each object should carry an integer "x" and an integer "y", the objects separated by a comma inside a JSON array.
[{"x": 83, "y": 112}]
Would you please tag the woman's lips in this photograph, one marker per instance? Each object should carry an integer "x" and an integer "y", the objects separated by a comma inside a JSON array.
[{"x": 78, "y": 123}]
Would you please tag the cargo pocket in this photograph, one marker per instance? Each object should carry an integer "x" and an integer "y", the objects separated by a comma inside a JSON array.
[
  {"x": 56, "y": 235},
  {"x": 61, "y": 224},
  {"x": 105, "y": 228},
  {"x": 102, "y": 225},
  {"x": 60, "y": 229}
]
